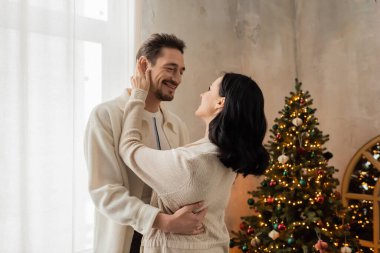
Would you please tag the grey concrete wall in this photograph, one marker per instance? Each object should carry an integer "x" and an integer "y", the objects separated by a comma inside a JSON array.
[
  {"x": 253, "y": 37},
  {"x": 338, "y": 60}
]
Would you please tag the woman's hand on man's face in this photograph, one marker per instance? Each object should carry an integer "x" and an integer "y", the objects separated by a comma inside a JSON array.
[{"x": 142, "y": 77}]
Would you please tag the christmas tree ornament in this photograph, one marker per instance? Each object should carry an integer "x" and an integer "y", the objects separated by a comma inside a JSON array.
[
  {"x": 297, "y": 195},
  {"x": 232, "y": 243},
  {"x": 255, "y": 241},
  {"x": 297, "y": 121},
  {"x": 251, "y": 201},
  {"x": 244, "y": 248},
  {"x": 283, "y": 159},
  {"x": 321, "y": 246},
  {"x": 291, "y": 240},
  {"x": 302, "y": 101},
  {"x": 319, "y": 199},
  {"x": 250, "y": 230},
  {"x": 301, "y": 151},
  {"x": 272, "y": 183},
  {"x": 345, "y": 249},
  {"x": 320, "y": 172},
  {"x": 274, "y": 234},
  {"x": 243, "y": 226},
  {"x": 270, "y": 200},
  {"x": 281, "y": 226}
]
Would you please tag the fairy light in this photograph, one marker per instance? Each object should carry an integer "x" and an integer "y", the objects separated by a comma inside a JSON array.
[{"x": 298, "y": 182}]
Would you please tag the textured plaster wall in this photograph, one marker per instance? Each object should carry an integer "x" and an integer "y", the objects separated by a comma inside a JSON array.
[
  {"x": 332, "y": 45},
  {"x": 251, "y": 37},
  {"x": 338, "y": 60}
]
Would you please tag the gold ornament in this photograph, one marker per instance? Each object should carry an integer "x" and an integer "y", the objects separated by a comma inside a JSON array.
[
  {"x": 274, "y": 234},
  {"x": 283, "y": 159},
  {"x": 345, "y": 249},
  {"x": 297, "y": 121},
  {"x": 255, "y": 241}
]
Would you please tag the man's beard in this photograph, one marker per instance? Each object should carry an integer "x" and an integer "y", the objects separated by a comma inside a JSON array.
[
  {"x": 163, "y": 97},
  {"x": 159, "y": 94}
]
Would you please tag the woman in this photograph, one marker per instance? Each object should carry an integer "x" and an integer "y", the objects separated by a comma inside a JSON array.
[{"x": 233, "y": 111}]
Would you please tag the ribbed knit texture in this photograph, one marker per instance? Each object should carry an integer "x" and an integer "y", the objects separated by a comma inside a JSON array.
[
  {"x": 114, "y": 188},
  {"x": 179, "y": 176}
]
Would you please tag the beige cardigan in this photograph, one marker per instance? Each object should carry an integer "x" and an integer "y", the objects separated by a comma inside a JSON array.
[
  {"x": 179, "y": 177},
  {"x": 114, "y": 188}
]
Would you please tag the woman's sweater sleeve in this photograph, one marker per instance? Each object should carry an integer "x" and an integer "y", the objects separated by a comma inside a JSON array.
[{"x": 165, "y": 171}]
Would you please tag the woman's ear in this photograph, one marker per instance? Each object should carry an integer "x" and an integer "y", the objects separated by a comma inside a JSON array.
[{"x": 220, "y": 103}]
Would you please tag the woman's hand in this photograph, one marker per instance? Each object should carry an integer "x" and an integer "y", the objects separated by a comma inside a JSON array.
[{"x": 141, "y": 78}]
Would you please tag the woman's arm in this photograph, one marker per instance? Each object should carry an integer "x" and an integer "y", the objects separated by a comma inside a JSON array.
[{"x": 164, "y": 171}]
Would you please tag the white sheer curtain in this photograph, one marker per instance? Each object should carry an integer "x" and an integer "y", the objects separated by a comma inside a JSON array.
[{"x": 58, "y": 58}]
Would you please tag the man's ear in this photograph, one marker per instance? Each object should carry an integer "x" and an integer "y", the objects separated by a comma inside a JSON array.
[
  {"x": 220, "y": 103},
  {"x": 145, "y": 64}
]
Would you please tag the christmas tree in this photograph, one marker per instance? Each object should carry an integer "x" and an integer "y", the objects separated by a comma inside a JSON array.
[{"x": 297, "y": 208}]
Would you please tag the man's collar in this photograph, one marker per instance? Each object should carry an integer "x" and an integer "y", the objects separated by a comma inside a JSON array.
[{"x": 169, "y": 120}]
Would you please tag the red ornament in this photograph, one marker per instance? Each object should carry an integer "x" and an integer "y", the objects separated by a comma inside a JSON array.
[
  {"x": 250, "y": 230},
  {"x": 243, "y": 226},
  {"x": 321, "y": 246},
  {"x": 281, "y": 226},
  {"x": 320, "y": 172},
  {"x": 302, "y": 101},
  {"x": 301, "y": 151},
  {"x": 270, "y": 200},
  {"x": 278, "y": 136},
  {"x": 272, "y": 183},
  {"x": 319, "y": 199}
]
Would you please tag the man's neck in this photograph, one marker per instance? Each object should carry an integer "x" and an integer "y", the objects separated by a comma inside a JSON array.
[{"x": 152, "y": 104}]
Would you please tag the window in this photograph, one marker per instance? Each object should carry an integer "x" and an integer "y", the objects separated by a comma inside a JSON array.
[
  {"x": 361, "y": 190},
  {"x": 58, "y": 59}
]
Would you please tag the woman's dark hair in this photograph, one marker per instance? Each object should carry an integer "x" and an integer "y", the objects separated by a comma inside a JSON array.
[
  {"x": 239, "y": 129},
  {"x": 151, "y": 48}
]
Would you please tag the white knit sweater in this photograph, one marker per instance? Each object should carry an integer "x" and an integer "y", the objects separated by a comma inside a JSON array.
[{"x": 179, "y": 177}]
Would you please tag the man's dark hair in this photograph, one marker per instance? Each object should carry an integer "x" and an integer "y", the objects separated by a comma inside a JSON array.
[
  {"x": 239, "y": 129},
  {"x": 151, "y": 48}
]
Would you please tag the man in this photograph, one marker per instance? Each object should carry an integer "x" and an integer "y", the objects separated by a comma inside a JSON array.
[{"x": 120, "y": 197}]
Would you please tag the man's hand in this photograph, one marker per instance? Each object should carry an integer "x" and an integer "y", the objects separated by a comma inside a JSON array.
[{"x": 187, "y": 220}]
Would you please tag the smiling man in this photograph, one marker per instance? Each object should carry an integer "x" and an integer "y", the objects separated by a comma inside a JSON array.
[{"x": 125, "y": 206}]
